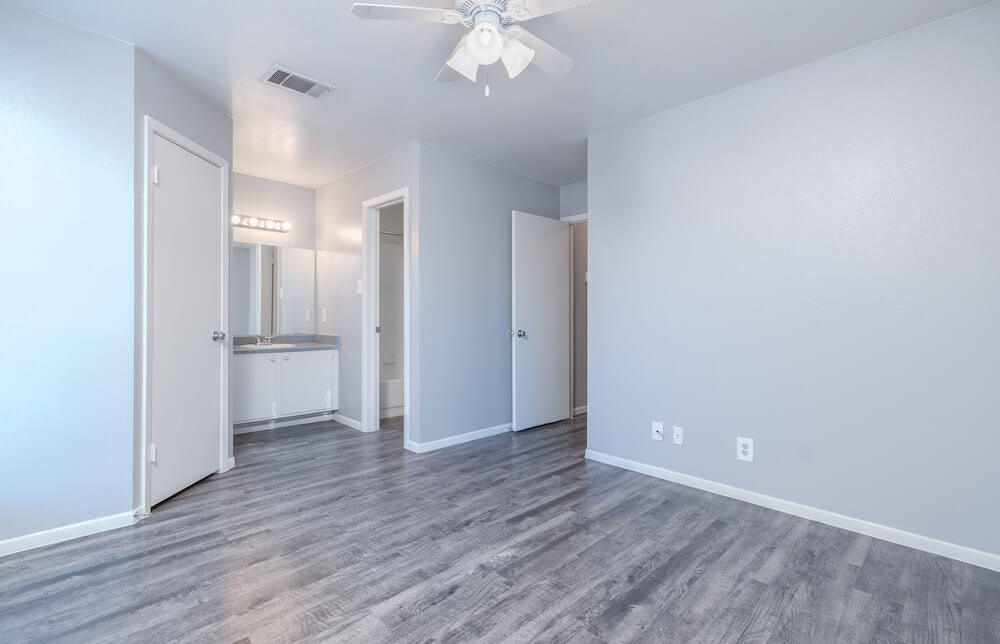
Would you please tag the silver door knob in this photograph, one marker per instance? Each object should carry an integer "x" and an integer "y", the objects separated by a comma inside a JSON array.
[
  {"x": 521, "y": 333},
  {"x": 218, "y": 336}
]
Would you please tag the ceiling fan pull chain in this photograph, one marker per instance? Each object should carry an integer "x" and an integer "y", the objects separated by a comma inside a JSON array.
[{"x": 487, "y": 78}]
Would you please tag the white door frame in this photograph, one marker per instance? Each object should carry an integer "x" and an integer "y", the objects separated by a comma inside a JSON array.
[
  {"x": 370, "y": 412},
  {"x": 152, "y": 127}
]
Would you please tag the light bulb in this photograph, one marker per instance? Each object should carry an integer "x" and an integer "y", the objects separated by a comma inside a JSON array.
[
  {"x": 486, "y": 45},
  {"x": 286, "y": 225},
  {"x": 235, "y": 219},
  {"x": 269, "y": 224},
  {"x": 253, "y": 222}
]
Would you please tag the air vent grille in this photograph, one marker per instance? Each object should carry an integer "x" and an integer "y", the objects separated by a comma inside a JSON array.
[{"x": 299, "y": 83}]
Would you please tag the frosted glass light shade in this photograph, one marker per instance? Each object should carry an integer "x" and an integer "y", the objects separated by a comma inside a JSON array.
[
  {"x": 516, "y": 56},
  {"x": 463, "y": 62}
]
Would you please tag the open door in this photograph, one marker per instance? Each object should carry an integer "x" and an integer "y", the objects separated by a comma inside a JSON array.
[
  {"x": 540, "y": 258},
  {"x": 186, "y": 390}
]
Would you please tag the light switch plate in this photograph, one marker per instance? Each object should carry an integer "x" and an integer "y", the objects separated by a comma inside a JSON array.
[
  {"x": 322, "y": 315},
  {"x": 744, "y": 449},
  {"x": 359, "y": 287},
  {"x": 657, "y": 430},
  {"x": 678, "y": 435}
]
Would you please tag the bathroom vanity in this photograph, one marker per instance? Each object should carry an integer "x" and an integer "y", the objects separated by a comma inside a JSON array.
[
  {"x": 281, "y": 370},
  {"x": 290, "y": 377}
]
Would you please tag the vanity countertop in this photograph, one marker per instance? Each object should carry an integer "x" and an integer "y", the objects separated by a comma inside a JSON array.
[{"x": 287, "y": 344}]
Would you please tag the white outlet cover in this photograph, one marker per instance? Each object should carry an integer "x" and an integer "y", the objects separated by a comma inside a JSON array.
[
  {"x": 657, "y": 430},
  {"x": 678, "y": 435},
  {"x": 744, "y": 449}
]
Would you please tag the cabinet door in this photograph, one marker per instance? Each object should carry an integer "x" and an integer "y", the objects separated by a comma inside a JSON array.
[
  {"x": 305, "y": 381},
  {"x": 255, "y": 382}
]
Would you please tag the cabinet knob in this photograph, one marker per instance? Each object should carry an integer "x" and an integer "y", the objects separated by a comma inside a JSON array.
[
  {"x": 272, "y": 358},
  {"x": 286, "y": 358}
]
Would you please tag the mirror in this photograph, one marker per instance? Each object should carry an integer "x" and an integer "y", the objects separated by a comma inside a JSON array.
[{"x": 271, "y": 290}]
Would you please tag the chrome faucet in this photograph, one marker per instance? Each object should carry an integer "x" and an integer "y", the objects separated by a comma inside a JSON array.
[{"x": 263, "y": 339}]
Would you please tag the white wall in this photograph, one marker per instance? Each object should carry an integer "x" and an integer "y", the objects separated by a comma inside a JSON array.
[
  {"x": 465, "y": 289},
  {"x": 66, "y": 163},
  {"x": 573, "y": 199},
  {"x": 338, "y": 259},
  {"x": 256, "y": 197},
  {"x": 811, "y": 261}
]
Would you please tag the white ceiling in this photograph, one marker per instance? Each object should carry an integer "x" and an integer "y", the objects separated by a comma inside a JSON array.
[{"x": 634, "y": 58}]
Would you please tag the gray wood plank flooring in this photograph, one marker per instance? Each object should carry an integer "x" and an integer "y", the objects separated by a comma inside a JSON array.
[{"x": 322, "y": 533}]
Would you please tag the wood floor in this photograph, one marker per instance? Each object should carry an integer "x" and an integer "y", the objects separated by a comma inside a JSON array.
[{"x": 322, "y": 533}]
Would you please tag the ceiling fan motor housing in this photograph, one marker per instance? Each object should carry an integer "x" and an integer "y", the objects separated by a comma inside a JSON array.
[{"x": 500, "y": 13}]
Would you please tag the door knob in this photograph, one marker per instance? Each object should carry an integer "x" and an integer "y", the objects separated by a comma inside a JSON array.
[
  {"x": 521, "y": 333},
  {"x": 218, "y": 336}
]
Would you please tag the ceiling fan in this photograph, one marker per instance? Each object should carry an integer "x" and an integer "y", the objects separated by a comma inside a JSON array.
[{"x": 493, "y": 33}]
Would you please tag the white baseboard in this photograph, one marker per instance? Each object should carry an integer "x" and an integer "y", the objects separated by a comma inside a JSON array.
[
  {"x": 935, "y": 546},
  {"x": 229, "y": 465},
  {"x": 67, "y": 532},
  {"x": 391, "y": 412},
  {"x": 582, "y": 409},
  {"x": 250, "y": 428},
  {"x": 421, "y": 448},
  {"x": 350, "y": 422}
]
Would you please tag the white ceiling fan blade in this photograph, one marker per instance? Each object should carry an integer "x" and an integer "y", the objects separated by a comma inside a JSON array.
[
  {"x": 547, "y": 58},
  {"x": 535, "y": 8},
  {"x": 398, "y": 12}
]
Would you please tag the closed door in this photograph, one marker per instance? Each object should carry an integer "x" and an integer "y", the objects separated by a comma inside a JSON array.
[
  {"x": 540, "y": 312},
  {"x": 188, "y": 361},
  {"x": 305, "y": 381}
]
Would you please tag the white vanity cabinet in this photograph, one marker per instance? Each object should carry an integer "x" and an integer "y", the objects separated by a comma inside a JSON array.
[
  {"x": 273, "y": 385},
  {"x": 255, "y": 386}
]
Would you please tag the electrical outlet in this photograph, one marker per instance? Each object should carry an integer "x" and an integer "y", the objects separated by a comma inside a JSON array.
[
  {"x": 657, "y": 430},
  {"x": 678, "y": 435},
  {"x": 744, "y": 449}
]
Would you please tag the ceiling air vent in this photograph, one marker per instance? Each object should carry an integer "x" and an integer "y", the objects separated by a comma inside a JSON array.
[{"x": 284, "y": 77}]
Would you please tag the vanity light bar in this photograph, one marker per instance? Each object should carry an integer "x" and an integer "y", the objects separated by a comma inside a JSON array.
[{"x": 272, "y": 225}]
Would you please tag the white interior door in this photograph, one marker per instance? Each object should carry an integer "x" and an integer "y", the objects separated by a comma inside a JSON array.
[
  {"x": 187, "y": 369},
  {"x": 540, "y": 314}
]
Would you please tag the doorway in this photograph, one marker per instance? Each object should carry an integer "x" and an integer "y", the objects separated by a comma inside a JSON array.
[
  {"x": 385, "y": 323},
  {"x": 390, "y": 315},
  {"x": 184, "y": 371}
]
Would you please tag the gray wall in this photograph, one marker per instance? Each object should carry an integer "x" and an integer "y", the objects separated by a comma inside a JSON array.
[
  {"x": 66, "y": 157},
  {"x": 811, "y": 261},
  {"x": 338, "y": 257},
  {"x": 579, "y": 236},
  {"x": 258, "y": 197},
  {"x": 465, "y": 282},
  {"x": 573, "y": 199}
]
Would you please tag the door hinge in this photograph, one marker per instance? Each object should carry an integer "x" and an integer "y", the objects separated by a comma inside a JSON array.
[
  {"x": 156, "y": 175},
  {"x": 152, "y": 452},
  {"x": 378, "y": 329}
]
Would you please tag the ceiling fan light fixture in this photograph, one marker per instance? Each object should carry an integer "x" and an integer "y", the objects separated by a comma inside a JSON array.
[
  {"x": 516, "y": 56},
  {"x": 484, "y": 44},
  {"x": 463, "y": 62}
]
